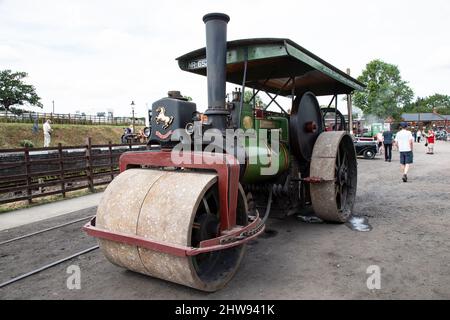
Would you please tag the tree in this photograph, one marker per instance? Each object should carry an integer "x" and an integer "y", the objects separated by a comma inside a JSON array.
[
  {"x": 249, "y": 94},
  {"x": 439, "y": 103},
  {"x": 386, "y": 93},
  {"x": 14, "y": 92}
]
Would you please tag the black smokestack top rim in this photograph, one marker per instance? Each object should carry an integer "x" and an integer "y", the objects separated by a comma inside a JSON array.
[{"x": 216, "y": 16}]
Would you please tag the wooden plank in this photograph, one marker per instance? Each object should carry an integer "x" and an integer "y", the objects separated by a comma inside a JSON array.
[
  {"x": 118, "y": 145},
  {"x": 13, "y": 178},
  {"x": 66, "y": 159},
  {"x": 12, "y": 164},
  {"x": 111, "y": 164},
  {"x": 89, "y": 164},
  {"x": 12, "y": 150},
  {"x": 55, "y": 172},
  {"x": 28, "y": 171},
  {"x": 106, "y": 156},
  {"x": 61, "y": 170}
]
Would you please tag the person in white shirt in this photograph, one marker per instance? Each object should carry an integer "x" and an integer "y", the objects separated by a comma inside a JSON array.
[
  {"x": 419, "y": 135},
  {"x": 47, "y": 133},
  {"x": 404, "y": 140}
]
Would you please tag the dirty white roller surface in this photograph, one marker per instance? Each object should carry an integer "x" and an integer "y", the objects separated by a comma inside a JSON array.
[
  {"x": 162, "y": 208},
  {"x": 409, "y": 242}
]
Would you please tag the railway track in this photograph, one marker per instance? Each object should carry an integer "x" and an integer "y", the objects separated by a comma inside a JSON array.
[
  {"x": 47, "y": 266},
  {"x": 44, "y": 230},
  {"x": 51, "y": 264}
]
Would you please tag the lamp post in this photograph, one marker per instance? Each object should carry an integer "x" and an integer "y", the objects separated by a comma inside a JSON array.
[
  {"x": 132, "y": 112},
  {"x": 350, "y": 109}
]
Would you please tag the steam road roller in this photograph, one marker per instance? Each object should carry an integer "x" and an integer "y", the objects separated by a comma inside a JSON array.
[{"x": 184, "y": 209}]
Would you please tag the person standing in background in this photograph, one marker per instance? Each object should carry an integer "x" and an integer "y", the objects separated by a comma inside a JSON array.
[
  {"x": 430, "y": 141},
  {"x": 47, "y": 133},
  {"x": 419, "y": 135},
  {"x": 387, "y": 141},
  {"x": 405, "y": 142}
]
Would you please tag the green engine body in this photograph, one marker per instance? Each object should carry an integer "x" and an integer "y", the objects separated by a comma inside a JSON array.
[{"x": 264, "y": 161}]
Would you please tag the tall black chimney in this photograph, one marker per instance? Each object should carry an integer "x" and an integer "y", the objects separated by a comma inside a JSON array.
[{"x": 216, "y": 56}]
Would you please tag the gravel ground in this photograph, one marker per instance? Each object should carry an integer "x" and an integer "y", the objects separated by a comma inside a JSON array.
[{"x": 409, "y": 242}]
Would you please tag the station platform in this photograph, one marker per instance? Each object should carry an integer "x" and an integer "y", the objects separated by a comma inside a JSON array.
[{"x": 25, "y": 216}]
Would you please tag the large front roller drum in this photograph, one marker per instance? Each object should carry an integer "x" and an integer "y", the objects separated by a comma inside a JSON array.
[
  {"x": 177, "y": 207},
  {"x": 334, "y": 160}
]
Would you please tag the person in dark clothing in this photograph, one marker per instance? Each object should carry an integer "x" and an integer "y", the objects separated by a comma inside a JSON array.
[{"x": 387, "y": 137}]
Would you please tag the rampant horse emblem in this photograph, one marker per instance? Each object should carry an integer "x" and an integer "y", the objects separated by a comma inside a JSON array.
[{"x": 162, "y": 118}]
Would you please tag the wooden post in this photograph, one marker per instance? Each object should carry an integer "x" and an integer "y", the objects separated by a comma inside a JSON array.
[
  {"x": 111, "y": 163},
  {"x": 61, "y": 170},
  {"x": 418, "y": 122},
  {"x": 349, "y": 110},
  {"x": 28, "y": 173},
  {"x": 89, "y": 169}
]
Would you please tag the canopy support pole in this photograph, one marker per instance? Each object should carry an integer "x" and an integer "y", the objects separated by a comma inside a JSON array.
[
  {"x": 335, "y": 113},
  {"x": 244, "y": 80},
  {"x": 349, "y": 110}
]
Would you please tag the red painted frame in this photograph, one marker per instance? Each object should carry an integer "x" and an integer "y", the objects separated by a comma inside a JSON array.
[
  {"x": 227, "y": 168},
  {"x": 230, "y": 239}
]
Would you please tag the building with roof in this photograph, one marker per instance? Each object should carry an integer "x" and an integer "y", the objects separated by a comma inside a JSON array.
[{"x": 427, "y": 120}]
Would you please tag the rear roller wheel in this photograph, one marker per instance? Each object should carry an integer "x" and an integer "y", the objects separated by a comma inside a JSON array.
[
  {"x": 178, "y": 207},
  {"x": 334, "y": 160}
]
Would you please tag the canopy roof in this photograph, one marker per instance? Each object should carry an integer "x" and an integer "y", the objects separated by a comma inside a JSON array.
[
  {"x": 272, "y": 63},
  {"x": 426, "y": 116}
]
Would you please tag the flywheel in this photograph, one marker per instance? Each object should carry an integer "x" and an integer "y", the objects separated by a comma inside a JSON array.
[
  {"x": 305, "y": 125},
  {"x": 334, "y": 160},
  {"x": 177, "y": 207}
]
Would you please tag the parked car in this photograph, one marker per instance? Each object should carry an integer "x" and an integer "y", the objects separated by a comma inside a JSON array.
[
  {"x": 442, "y": 135},
  {"x": 367, "y": 149}
]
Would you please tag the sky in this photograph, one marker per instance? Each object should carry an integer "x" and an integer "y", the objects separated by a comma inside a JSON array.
[{"x": 96, "y": 55}]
